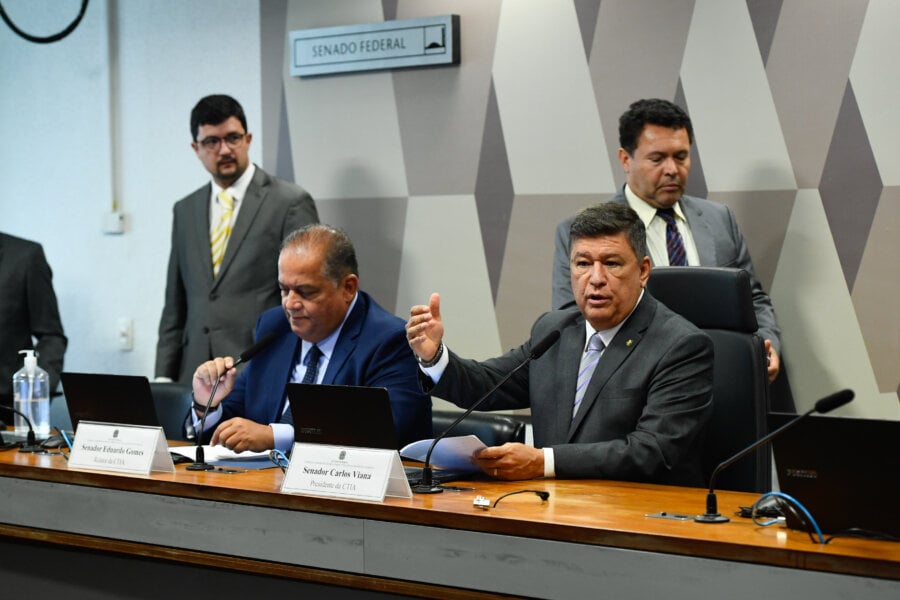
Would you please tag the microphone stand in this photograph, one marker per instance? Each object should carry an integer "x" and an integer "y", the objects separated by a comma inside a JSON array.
[
  {"x": 427, "y": 485},
  {"x": 823, "y": 406},
  {"x": 30, "y": 444},
  {"x": 200, "y": 463}
]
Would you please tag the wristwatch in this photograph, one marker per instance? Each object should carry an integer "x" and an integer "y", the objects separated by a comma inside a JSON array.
[
  {"x": 433, "y": 361},
  {"x": 201, "y": 407}
]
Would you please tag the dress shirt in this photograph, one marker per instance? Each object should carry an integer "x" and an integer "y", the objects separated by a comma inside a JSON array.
[
  {"x": 284, "y": 432},
  {"x": 656, "y": 231},
  {"x": 237, "y": 190},
  {"x": 607, "y": 335}
]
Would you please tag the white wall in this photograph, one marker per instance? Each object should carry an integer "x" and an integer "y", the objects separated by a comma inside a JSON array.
[{"x": 57, "y": 159}]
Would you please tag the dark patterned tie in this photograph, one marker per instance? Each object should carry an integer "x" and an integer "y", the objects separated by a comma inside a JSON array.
[
  {"x": 674, "y": 243},
  {"x": 312, "y": 364}
]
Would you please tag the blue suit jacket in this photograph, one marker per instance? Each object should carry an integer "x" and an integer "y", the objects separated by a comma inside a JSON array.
[{"x": 371, "y": 351}]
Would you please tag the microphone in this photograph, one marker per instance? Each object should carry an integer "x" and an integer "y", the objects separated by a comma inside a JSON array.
[
  {"x": 826, "y": 404},
  {"x": 200, "y": 463},
  {"x": 30, "y": 444},
  {"x": 426, "y": 485}
]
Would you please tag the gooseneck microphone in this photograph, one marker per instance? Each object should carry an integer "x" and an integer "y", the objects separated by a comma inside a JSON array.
[
  {"x": 30, "y": 444},
  {"x": 200, "y": 463},
  {"x": 826, "y": 404},
  {"x": 426, "y": 485}
]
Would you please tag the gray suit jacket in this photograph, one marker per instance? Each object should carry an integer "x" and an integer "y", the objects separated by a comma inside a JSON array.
[
  {"x": 644, "y": 410},
  {"x": 28, "y": 310},
  {"x": 719, "y": 241},
  {"x": 202, "y": 317}
]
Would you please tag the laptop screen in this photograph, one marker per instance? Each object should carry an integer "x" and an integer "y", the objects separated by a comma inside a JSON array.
[
  {"x": 124, "y": 399},
  {"x": 342, "y": 415},
  {"x": 845, "y": 471}
]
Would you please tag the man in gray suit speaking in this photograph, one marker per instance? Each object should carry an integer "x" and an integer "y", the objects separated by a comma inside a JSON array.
[
  {"x": 655, "y": 151},
  {"x": 625, "y": 394},
  {"x": 225, "y": 242}
]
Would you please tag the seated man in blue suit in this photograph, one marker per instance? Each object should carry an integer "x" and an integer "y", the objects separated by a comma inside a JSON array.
[
  {"x": 327, "y": 331},
  {"x": 626, "y": 392}
]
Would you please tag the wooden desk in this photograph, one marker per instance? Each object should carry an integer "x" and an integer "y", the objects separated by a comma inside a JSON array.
[{"x": 590, "y": 539}]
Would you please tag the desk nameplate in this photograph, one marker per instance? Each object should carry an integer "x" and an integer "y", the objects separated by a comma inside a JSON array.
[
  {"x": 345, "y": 472},
  {"x": 134, "y": 449}
]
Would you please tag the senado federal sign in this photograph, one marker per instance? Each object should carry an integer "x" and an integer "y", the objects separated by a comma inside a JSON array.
[{"x": 425, "y": 42}]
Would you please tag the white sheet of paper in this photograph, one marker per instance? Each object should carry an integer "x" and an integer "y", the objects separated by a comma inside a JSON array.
[
  {"x": 452, "y": 453},
  {"x": 217, "y": 453}
]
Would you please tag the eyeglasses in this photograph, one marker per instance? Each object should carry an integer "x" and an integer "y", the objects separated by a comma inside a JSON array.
[{"x": 213, "y": 143}]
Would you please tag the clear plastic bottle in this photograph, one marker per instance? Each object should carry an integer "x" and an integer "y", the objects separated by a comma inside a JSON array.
[{"x": 31, "y": 394}]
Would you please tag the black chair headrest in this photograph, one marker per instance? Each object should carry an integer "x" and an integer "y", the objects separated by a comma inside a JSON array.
[{"x": 708, "y": 297}]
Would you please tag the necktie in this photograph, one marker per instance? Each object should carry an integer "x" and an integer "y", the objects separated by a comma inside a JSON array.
[
  {"x": 589, "y": 361},
  {"x": 222, "y": 232},
  {"x": 674, "y": 243},
  {"x": 312, "y": 364}
]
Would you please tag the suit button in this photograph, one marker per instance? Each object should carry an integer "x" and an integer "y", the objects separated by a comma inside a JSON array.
[{"x": 213, "y": 296}]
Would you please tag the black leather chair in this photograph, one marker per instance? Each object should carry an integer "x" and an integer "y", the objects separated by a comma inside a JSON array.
[
  {"x": 172, "y": 400},
  {"x": 491, "y": 428},
  {"x": 719, "y": 301}
]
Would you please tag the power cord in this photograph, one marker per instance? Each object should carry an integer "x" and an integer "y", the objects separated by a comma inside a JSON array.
[
  {"x": 790, "y": 503},
  {"x": 544, "y": 495}
]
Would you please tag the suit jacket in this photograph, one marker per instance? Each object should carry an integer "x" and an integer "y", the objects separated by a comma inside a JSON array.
[
  {"x": 205, "y": 317},
  {"x": 644, "y": 410},
  {"x": 719, "y": 241},
  {"x": 28, "y": 310},
  {"x": 371, "y": 351}
]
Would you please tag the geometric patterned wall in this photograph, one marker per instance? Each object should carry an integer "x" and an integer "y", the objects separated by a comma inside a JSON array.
[{"x": 453, "y": 179}]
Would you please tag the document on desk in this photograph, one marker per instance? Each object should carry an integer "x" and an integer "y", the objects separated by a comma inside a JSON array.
[
  {"x": 220, "y": 455},
  {"x": 451, "y": 453}
]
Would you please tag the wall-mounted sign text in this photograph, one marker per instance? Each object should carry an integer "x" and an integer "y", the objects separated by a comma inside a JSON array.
[{"x": 424, "y": 42}]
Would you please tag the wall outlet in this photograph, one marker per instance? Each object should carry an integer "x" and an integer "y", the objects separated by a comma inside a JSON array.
[
  {"x": 125, "y": 334},
  {"x": 114, "y": 223}
]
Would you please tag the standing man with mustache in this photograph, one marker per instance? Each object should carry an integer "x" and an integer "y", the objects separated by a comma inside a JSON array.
[
  {"x": 225, "y": 242},
  {"x": 655, "y": 139}
]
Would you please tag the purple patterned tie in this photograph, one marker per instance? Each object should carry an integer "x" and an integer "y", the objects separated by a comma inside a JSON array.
[{"x": 674, "y": 243}]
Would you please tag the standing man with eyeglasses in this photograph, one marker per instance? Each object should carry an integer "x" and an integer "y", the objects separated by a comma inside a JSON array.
[{"x": 225, "y": 241}]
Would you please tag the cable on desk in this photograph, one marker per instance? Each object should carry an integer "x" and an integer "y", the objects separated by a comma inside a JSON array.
[
  {"x": 792, "y": 504},
  {"x": 542, "y": 493},
  {"x": 280, "y": 459}
]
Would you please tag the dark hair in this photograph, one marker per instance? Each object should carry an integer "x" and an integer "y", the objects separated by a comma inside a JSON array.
[
  {"x": 340, "y": 256},
  {"x": 610, "y": 218},
  {"x": 652, "y": 111},
  {"x": 215, "y": 109}
]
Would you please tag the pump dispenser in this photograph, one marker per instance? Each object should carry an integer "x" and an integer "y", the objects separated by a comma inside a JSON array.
[{"x": 31, "y": 390}]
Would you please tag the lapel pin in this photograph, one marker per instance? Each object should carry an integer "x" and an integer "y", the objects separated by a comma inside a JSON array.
[{"x": 628, "y": 343}]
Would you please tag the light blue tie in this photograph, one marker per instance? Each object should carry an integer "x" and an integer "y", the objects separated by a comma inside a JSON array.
[{"x": 589, "y": 361}]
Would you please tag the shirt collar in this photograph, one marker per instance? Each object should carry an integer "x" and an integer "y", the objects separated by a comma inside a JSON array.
[
  {"x": 238, "y": 189},
  {"x": 607, "y": 335},
  {"x": 647, "y": 212},
  {"x": 327, "y": 345}
]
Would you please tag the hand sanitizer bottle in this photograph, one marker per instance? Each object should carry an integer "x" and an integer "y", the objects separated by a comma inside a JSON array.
[{"x": 31, "y": 395}]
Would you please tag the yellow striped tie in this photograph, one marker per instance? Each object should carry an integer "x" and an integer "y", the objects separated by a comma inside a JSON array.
[{"x": 222, "y": 232}]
